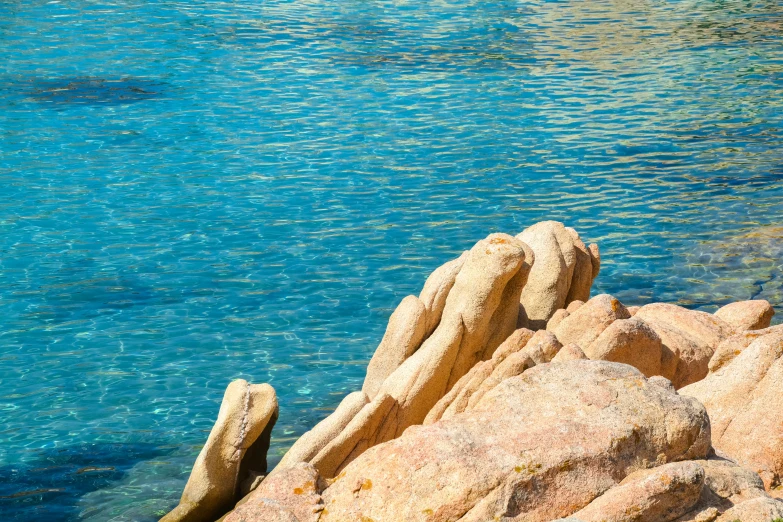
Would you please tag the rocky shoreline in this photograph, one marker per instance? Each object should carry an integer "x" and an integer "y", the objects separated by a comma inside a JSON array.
[{"x": 504, "y": 392}]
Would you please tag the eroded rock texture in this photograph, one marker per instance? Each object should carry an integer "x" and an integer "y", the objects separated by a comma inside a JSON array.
[
  {"x": 538, "y": 446},
  {"x": 744, "y": 399},
  {"x": 235, "y": 451},
  {"x": 747, "y": 315},
  {"x": 563, "y": 271},
  {"x": 475, "y": 314}
]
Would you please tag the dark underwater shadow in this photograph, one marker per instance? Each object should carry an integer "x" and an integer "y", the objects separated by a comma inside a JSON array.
[
  {"x": 48, "y": 487},
  {"x": 65, "y": 92},
  {"x": 95, "y": 91}
]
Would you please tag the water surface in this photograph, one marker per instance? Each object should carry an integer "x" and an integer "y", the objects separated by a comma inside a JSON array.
[{"x": 197, "y": 191}]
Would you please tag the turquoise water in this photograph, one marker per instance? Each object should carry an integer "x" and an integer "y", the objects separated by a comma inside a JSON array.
[{"x": 196, "y": 191}]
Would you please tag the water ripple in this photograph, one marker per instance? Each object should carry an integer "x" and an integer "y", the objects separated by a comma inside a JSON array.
[{"x": 302, "y": 166}]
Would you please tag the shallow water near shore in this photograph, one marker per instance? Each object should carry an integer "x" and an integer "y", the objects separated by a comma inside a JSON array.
[{"x": 194, "y": 192}]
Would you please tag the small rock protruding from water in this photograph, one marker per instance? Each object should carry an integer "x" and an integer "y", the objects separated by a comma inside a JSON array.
[{"x": 235, "y": 451}]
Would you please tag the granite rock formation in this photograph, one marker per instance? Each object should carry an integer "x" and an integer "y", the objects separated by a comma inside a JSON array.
[{"x": 505, "y": 392}]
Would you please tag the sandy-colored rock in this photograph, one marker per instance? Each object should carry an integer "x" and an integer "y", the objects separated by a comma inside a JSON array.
[
  {"x": 630, "y": 341},
  {"x": 312, "y": 442},
  {"x": 745, "y": 405},
  {"x": 747, "y": 315},
  {"x": 557, "y": 318},
  {"x": 550, "y": 279},
  {"x": 456, "y": 400},
  {"x": 514, "y": 365},
  {"x": 464, "y": 334},
  {"x": 436, "y": 290},
  {"x": 736, "y": 344},
  {"x": 236, "y": 446},
  {"x": 404, "y": 334},
  {"x": 595, "y": 257},
  {"x": 504, "y": 320},
  {"x": 633, "y": 309},
  {"x": 573, "y": 306},
  {"x": 361, "y": 433},
  {"x": 663, "y": 382},
  {"x": 295, "y": 491},
  {"x": 515, "y": 342},
  {"x": 264, "y": 511},
  {"x": 756, "y": 510},
  {"x": 540, "y": 349},
  {"x": 689, "y": 340},
  {"x": 700, "y": 325},
  {"x": 731, "y": 482},
  {"x": 582, "y": 279},
  {"x": 569, "y": 352},
  {"x": 481, "y": 296},
  {"x": 590, "y": 320},
  {"x": 682, "y": 356},
  {"x": 725, "y": 485},
  {"x": 656, "y": 495},
  {"x": 537, "y": 447}
]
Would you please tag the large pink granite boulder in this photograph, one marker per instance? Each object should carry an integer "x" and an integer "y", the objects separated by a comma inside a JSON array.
[
  {"x": 744, "y": 400},
  {"x": 689, "y": 339},
  {"x": 537, "y": 447},
  {"x": 747, "y": 315}
]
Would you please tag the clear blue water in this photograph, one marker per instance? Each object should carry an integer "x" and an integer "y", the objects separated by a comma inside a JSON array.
[{"x": 196, "y": 191}]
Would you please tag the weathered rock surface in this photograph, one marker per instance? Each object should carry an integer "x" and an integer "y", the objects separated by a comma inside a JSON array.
[
  {"x": 688, "y": 491},
  {"x": 590, "y": 320},
  {"x": 652, "y": 495},
  {"x": 689, "y": 340},
  {"x": 505, "y": 318},
  {"x": 745, "y": 404},
  {"x": 563, "y": 271},
  {"x": 456, "y": 400},
  {"x": 522, "y": 350},
  {"x": 557, "y": 318},
  {"x": 404, "y": 334},
  {"x": 465, "y": 414},
  {"x": 479, "y": 313},
  {"x": 725, "y": 485},
  {"x": 629, "y": 341},
  {"x": 312, "y": 442},
  {"x": 236, "y": 446},
  {"x": 264, "y": 511},
  {"x": 700, "y": 325},
  {"x": 569, "y": 352},
  {"x": 747, "y": 315},
  {"x": 293, "y": 493},
  {"x": 757, "y": 510},
  {"x": 586, "y": 267},
  {"x": 736, "y": 344},
  {"x": 437, "y": 288},
  {"x": 542, "y": 347},
  {"x": 538, "y": 446},
  {"x": 663, "y": 382}
]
